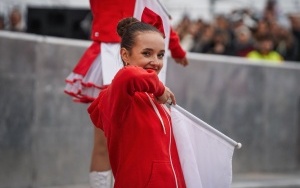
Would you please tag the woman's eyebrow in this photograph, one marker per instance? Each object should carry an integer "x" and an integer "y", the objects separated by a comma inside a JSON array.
[{"x": 148, "y": 49}]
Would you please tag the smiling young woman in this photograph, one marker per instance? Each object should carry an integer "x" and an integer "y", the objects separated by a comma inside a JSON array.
[
  {"x": 131, "y": 113},
  {"x": 100, "y": 62}
]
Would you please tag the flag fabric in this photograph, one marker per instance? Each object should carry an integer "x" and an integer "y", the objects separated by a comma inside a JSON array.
[
  {"x": 153, "y": 9},
  {"x": 205, "y": 153}
]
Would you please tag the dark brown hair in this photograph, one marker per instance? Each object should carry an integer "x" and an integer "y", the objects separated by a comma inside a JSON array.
[{"x": 129, "y": 27}]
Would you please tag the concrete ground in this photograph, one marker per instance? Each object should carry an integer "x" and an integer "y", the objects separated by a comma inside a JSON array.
[
  {"x": 255, "y": 180},
  {"x": 270, "y": 180}
]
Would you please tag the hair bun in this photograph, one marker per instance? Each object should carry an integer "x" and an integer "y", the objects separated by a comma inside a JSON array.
[{"x": 124, "y": 24}]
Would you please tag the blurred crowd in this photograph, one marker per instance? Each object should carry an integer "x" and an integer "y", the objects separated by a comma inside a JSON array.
[{"x": 268, "y": 35}]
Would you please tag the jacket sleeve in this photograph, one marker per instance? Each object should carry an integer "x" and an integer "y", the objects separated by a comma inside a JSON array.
[
  {"x": 119, "y": 94},
  {"x": 94, "y": 112},
  {"x": 127, "y": 82},
  {"x": 174, "y": 46},
  {"x": 133, "y": 79}
]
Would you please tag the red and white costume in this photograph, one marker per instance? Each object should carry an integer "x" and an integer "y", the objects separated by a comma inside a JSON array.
[
  {"x": 141, "y": 145},
  {"x": 101, "y": 60}
]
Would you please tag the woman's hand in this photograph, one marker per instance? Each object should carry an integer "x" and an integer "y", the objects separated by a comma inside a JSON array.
[
  {"x": 167, "y": 97},
  {"x": 183, "y": 61}
]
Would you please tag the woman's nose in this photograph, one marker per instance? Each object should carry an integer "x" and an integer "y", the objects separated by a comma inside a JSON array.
[{"x": 154, "y": 61}]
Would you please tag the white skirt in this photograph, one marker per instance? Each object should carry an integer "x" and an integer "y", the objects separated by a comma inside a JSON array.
[{"x": 96, "y": 69}]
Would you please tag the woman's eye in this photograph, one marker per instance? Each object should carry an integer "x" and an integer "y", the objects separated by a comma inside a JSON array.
[
  {"x": 146, "y": 53},
  {"x": 160, "y": 56}
]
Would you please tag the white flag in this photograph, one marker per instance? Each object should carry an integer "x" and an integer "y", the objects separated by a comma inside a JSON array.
[
  {"x": 158, "y": 10},
  {"x": 205, "y": 153}
]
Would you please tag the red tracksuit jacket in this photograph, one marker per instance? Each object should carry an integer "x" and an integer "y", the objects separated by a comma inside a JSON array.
[{"x": 142, "y": 150}]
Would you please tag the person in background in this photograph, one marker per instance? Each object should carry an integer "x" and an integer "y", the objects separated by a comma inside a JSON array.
[
  {"x": 243, "y": 41},
  {"x": 264, "y": 50},
  {"x": 261, "y": 29},
  {"x": 221, "y": 43},
  {"x": 2, "y": 22},
  {"x": 182, "y": 28},
  {"x": 16, "y": 22},
  {"x": 191, "y": 36},
  {"x": 284, "y": 42},
  {"x": 272, "y": 13},
  {"x": 88, "y": 76},
  {"x": 295, "y": 29},
  {"x": 140, "y": 141},
  {"x": 206, "y": 41}
]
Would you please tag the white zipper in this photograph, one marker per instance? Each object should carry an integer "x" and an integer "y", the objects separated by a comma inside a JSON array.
[{"x": 163, "y": 125}]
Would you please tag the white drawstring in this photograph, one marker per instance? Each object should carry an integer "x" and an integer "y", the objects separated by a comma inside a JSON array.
[
  {"x": 157, "y": 113},
  {"x": 166, "y": 109},
  {"x": 167, "y": 112}
]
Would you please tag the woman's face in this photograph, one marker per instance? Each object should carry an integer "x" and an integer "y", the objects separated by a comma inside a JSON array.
[{"x": 148, "y": 51}]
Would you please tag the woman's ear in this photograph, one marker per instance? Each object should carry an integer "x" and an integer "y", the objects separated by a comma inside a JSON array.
[{"x": 125, "y": 56}]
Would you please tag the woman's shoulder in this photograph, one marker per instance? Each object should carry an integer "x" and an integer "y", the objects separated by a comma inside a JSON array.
[
  {"x": 131, "y": 71},
  {"x": 131, "y": 68}
]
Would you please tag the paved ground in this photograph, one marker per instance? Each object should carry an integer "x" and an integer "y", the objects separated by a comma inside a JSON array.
[
  {"x": 248, "y": 181},
  {"x": 266, "y": 181}
]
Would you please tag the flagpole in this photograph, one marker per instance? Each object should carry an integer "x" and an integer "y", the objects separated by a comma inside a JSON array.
[
  {"x": 164, "y": 9},
  {"x": 208, "y": 127}
]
